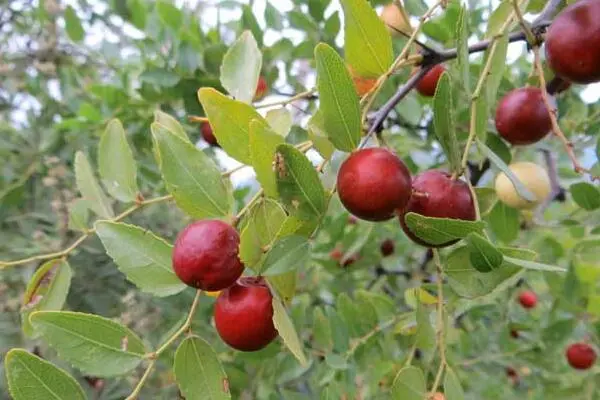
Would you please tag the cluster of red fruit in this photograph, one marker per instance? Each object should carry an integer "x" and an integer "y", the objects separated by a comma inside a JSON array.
[
  {"x": 205, "y": 257},
  {"x": 205, "y": 128},
  {"x": 579, "y": 355},
  {"x": 375, "y": 185}
]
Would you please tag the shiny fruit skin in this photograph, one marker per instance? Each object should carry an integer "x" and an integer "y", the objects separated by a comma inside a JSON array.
[
  {"x": 205, "y": 255},
  {"x": 387, "y": 247},
  {"x": 208, "y": 135},
  {"x": 372, "y": 183},
  {"x": 573, "y": 43},
  {"x": 261, "y": 88},
  {"x": 522, "y": 117},
  {"x": 436, "y": 194},
  {"x": 534, "y": 177},
  {"x": 428, "y": 83},
  {"x": 244, "y": 315},
  {"x": 393, "y": 17},
  {"x": 580, "y": 355},
  {"x": 528, "y": 299}
]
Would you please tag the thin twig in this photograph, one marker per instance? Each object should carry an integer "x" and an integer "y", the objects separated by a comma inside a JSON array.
[
  {"x": 154, "y": 356},
  {"x": 308, "y": 95},
  {"x": 552, "y": 111},
  {"x": 365, "y": 338}
]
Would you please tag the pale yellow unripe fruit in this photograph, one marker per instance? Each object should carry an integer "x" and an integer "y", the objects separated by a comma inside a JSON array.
[
  {"x": 533, "y": 177},
  {"x": 394, "y": 16}
]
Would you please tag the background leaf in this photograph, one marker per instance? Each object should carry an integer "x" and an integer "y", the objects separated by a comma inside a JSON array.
[
  {"x": 191, "y": 176},
  {"x": 198, "y": 371},
  {"x": 116, "y": 163},
  {"x": 90, "y": 189},
  {"x": 30, "y": 377},
  {"x": 241, "y": 68},
  {"x": 409, "y": 384},
  {"x": 142, "y": 256},
  {"x": 338, "y": 99},
  {"x": 452, "y": 387},
  {"x": 587, "y": 196},
  {"x": 73, "y": 25},
  {"x": 95, "y": 345}
]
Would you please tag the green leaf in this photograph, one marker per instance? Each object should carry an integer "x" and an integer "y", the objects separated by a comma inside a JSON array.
[
  {"x": 517, "y": 252},
  {"x": 287, "y": 332},
  {"x": 437, "y": 231},
  {"x": 142, "y": 256},
  {"x": 265, "y": 219},
  {"x": 586, "y": 195},
  {"x": 486, "y": 198},
  {"x": 339, "y": 103},
  {"x": 533, "y": 265},
  {"x": 230, "y": 121},
  {"x": 116, "y": 164},
  {"x": 318, "y": 135},
  {"x": 368, "y": 45},
  {"x": 79, "y": 215},
  {"x": 497, "y": 69},
  {"x": 481, "y": 117},
  {"x": 90, "y": 189},
  {"x": 462, "y": 47},
  {"x": 467, "y": 282},
  {"x": 498, "y": 18},
  {"x": 298, "y": 183},
  {"x": 280, "y": 120},
  {"x": 138, "y": 13},
  {"x": 159, "y": 77},
  {"x": 273, "y": 17},
  {"x": 46, "y": 291},
  {"x": 73, "y": 25},
  {"x": 169, "y": 14},
  {"x": 285, "y": 285},
  {"x": 287, "y": 254},
  {"x": 263, "y": 144},
  {"x": 504, "y": 222},
  {"x": 93, "y": 344},
  {"x": 483, "y": 255},
  {"x": 32, "y": 378},
  {"x": 452, "y": 387},
  {"x": 249, "y": 22},
  {"x": 171, "y": 124},
  {"x": 241, "y": 68},
  {"x": 443, "y": 121},
  {"x": 191, "y": 176},
  {"x": 519, "y": 187},
  {"x": 409, "y": 384},
  {"x": 425, "y": 332},
  {"x": 321, "y": 330},
  {"x": 199, "y": 372}
]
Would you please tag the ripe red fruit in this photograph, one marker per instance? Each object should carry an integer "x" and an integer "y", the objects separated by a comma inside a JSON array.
[
  {"x": 261, "y": 88},
  {"x": 522, "y": 117},
  {"x": 528, "y": 299},
  {"x": 205, "y": 255},
  {"x": 514, "y": 333},
  {"x": 580, "y": 355},
  {"x": 336, "y": 254},
  {"x": 207, "y": 134},
  {"x": 573, "y": 43},
  {"x": 373, "y": 183},
  {"x": 436, "y": 194},
  {"x": 511, "y": 372},
  {"x": 428, "y": 83},
  {"x": 387, "y": 247},
  {"x": 244, "y": 315},
  {"x": 350, "y": 260}
]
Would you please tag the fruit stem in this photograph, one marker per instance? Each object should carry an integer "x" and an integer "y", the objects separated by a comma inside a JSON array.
[
  {"x": 441, "y": 330},
  {"x": 303, "y": 95},
  {"x": 195, "y": 118},
  {"x": 247, "y": 207}
]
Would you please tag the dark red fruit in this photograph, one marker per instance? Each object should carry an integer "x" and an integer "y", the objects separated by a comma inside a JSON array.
[
  {"x": 336, "y": 254},
  {"x": 208, "y": 135},
  {"x": 580, "y": 355},
  {"x": 350, "y": 260},
  {"x": 428, "y": 84},
  {"x": 373, "y": 183},
  {"x": 244, "y": 315},
  {"x": 387, "y": 247},
  {"x": 573, "y": 43},
  {"x": 261, "y": 88},
  {"x": 528, "y": 299},
  {"x": 522, "y": 117},
  {"x": 436, "y": 194},
  {"x": 511, "y": 372},
  {"x": 205, "y": 255},
  {"x": 514, "y": 333}
]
